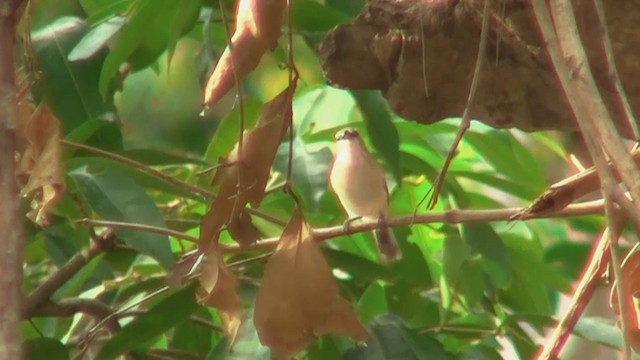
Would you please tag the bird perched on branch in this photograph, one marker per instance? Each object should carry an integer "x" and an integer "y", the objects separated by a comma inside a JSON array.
[{"x": 359, "y": 182}]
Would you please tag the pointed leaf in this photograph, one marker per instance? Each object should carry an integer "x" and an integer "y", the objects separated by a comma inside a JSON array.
[
  {"x": 116, "y": 197},
  {"x": 299, "y": 299},
  {"x": 166, "y": 314}
]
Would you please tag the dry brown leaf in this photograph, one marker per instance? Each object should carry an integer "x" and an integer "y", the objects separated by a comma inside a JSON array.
[
  {"x": 218, "y": 289},
  {"x": 257, "y": 30},
  {"x": 245, "y": 176},
  {"x": 40, "y": 166},
  {"x": 631, "y": 288},
  {"x": 299, "y": 299},
  {"x": 567, "y": 191}
]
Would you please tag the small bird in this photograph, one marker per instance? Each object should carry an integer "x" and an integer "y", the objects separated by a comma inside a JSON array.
[{"x": 359, "y": 182}]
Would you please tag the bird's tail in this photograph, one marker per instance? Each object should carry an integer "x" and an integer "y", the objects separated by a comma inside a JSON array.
[{"x": 387, "y": 244}]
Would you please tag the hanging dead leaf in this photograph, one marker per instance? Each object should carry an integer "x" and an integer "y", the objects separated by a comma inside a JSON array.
[
  {"x": 40, "y": 167},
  {"x": 218, "y": 289},
  {"x": 299, "y": 299},
  {"x": 631, "y": 288},
  {"x": 244, "y": 177},
  {"x": 257, "y": 30}
]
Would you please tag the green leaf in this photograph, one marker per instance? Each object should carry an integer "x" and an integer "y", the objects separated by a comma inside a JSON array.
[
  {"x": 310, "y": 16},
  {"x": 483, "y": 240},
  {"x": 455, "y": 253},
  {"x": 166, "y": 314},
  {"x": 96, "y": 39},
  {"x": 115, "y": 196},
  {"x": 359, "y": 268},
  {"x": 309, "y": 170},
  {"x": 382, "y": 132},
  {"x": 194, "y": 337},
  {"x": 185, "y": 17},
  {"x": 45, "y": 348},
  {"x": 373, "y": 302},
  {"x": 70, "y": 88},
  {"x": 146, "y": 35},
  {"x": 392, "y": 340},
  {"x": 143, "y": 179}
]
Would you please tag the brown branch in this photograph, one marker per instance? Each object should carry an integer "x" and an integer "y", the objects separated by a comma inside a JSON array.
[
  {"x": 449, "y": 217},
  {"x": 209, "y": 195},
  {"x": 137, "y": 227},
  {"x": 614, "y": 78},
  {"x": 11, "y": 217},
  {"x": 70, "y": 307},
  {"x": 579, "y": 85},
  {"x": 584, "y": 291},
  {"x": 142, "y": 167},
  {"x": 43, "y": 292}
]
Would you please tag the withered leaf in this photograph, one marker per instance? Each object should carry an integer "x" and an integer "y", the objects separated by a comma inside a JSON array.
[
  {"x": 40, "y": 166},
  {"x": 299, "y": 299},
  {"x": 244, "y": 177},
  {"x": 218, "y": 289},
  {"x": 257, "y": 30}
]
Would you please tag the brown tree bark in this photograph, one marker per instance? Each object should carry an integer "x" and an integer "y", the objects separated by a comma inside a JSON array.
[{"x": 12, "y": 239}]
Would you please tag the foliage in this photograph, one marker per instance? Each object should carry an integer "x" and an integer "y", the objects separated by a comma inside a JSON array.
[{"x": 126, "y": 77}]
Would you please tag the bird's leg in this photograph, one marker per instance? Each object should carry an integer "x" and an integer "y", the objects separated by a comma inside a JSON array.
[{"x": 347, "y": 224}]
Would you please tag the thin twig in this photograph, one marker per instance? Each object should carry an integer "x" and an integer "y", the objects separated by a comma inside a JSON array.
[
  {"x": 142, "y": 167},
  {"x": 44, "y": 291},
  {"x": 72, "y": 306},
  {"x": 584, "y": 290},
  {"x": 466, "y": 115},
  {"x": 449, "y": 217},
  {"x": 159, "y": 175},
  {"x": 137, "y": 227}
]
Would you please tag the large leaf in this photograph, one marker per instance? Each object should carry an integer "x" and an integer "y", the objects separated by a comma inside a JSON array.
[
  {"x": 309, "y": 170},
  {"x": 391, "y": 340},
  {"x": 69, "y": 87},
  {"x": 382, "y": 132},
  {"x": 168, "y": 313},
  {"x": 45, "y": 348},
  {"x": 115, "y": 196},
  {"x": 151, "y": 27},
  {"x": 483, "y": 240}
]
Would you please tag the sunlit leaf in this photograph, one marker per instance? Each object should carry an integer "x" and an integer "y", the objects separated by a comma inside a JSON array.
[{"x": 166, "y": 314}]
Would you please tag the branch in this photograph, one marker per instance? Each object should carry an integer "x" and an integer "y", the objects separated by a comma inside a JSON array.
[
  {"x": 586, "y": 286},
  {"x": 43, "y": 292},
  {"x": 137, "y": 227},
  {"x": 449, "y": 217},
  {"x": 11, "y": 217},
  {"x": 466, "y": 115},
  {"x": 161, "y": 176},
  {"x": 70, "y": 307}
]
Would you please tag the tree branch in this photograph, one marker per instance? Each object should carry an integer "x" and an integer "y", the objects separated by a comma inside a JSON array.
[
  {"x": 11, "y": 218},
  {"x": 42, "y": 293}
]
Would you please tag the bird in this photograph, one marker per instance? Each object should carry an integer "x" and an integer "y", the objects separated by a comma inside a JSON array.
[{"x": 359, "y": 182}]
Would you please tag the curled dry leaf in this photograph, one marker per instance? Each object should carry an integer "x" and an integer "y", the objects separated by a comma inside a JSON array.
[
  {"x": 243, "y": 177},
  {"x": 40, "y": 166},
  {"x": 218, "y": 289},
  {"x": 299, "y": 299},
  {"x": 567, "y": 191},
  {"x": 631, "y": 288},
  {"x": 257, "y": 30}
]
